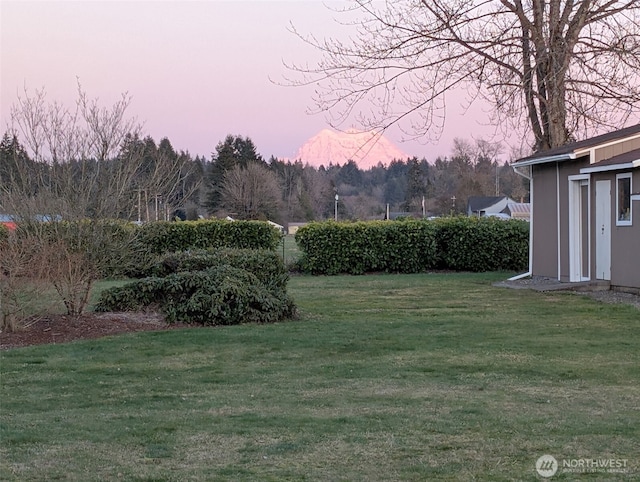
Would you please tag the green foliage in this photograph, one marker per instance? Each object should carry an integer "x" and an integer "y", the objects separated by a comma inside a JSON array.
[
  {"x": 4, "y": 233},
  {"x": 462, "y": 244},
  {"x": 222, "y": 295},
  {"x": 169, "y": 237},
  {"x": 267, "y": 266},
  {"x": 361, "y": 247},
  {"x": 482, "y": 244}
]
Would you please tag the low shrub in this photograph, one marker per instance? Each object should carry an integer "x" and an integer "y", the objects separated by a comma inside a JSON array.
[
  {"x": 73, "y": 255},
  {"x": 222, "y": 295},
  {"x": 267, "y": 266}
]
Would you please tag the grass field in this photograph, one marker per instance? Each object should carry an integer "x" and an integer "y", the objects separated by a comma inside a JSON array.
[
  {"x": 384, "y": 377},
  {"x": 289, "y": 249}
]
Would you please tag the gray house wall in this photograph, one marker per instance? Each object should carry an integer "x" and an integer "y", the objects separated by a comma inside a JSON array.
[
  {"x": 551, "y": 181},
  {"x": 550, "y": 199},
  {"x": 625, "y": 240},
  {"x": 551, "y": 253},
  {"x": 545, "y": 221}
]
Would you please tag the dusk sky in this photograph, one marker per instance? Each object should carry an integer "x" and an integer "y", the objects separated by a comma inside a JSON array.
[{"x": 196, "y": 71}]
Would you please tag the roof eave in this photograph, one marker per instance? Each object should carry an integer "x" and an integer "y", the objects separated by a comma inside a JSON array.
[
  {"x": 611, "y": 167},
  {"x": 543, "y": 160}
]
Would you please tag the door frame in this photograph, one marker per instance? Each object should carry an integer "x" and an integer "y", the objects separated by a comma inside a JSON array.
[{"x": 576, "y": 228}]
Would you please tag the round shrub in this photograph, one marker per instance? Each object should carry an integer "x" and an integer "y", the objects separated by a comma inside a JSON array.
[{"x": 222, "y": 295}]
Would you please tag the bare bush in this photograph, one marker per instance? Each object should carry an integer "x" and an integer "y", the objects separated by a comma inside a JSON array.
[
  {"x": 21, "y": 281},
  {"x": 71, "y": 273}
]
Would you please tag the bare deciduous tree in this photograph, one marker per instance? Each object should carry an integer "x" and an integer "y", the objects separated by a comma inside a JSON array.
[
  {"x": 85, "y": 162},
  {"x": 74, "y": 150},
  {"x": 555, "y": 69},
  {"x": 251, "y": 192},
  {"x": 76, "y": 164}
]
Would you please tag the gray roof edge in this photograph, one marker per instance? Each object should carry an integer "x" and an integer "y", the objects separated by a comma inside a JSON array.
[
  {"x": 542, "y": 160},
  {"x": 632, "y": 131}
]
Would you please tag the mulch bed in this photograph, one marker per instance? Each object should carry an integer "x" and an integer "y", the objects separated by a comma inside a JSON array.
[{"x": 64, "y": 328}]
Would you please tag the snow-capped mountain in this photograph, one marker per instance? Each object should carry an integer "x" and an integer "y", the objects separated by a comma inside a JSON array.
[{"x": 363, "y": 147}]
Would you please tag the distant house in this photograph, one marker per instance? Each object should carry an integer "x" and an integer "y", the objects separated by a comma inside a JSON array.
[
  {"x": 480, "y": 206},
  {"x": 8, "y": 221},
  {"x": 518, "y": 211},
  {"x": 279, "y": 227},
  {"x": 293, "y": 227},
  {"x": 11, "y": 221},
  {"x": 585, "y": 209}
]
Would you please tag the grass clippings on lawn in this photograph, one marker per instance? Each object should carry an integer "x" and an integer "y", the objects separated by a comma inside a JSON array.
[{"x": 385, "y": 377}]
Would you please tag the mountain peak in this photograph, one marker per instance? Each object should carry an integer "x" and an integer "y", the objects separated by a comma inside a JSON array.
[{"x": 365, "y": 148}]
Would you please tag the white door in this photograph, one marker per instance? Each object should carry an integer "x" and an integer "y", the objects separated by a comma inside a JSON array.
[{"x": 603, "y": 230}]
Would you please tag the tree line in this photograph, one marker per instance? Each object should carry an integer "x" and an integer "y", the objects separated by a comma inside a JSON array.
[
  {"x": 94, "y": 162},
  {"x": 149, "y": 181}
]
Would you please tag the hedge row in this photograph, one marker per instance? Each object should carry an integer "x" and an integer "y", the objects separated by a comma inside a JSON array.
[
  {"x": 361, "y": 247},
  {"x": 223, "y": 295},
  {"x": 482, "y": 244},
  {"x": 122, "y": 248},
  {"x": 169, "y": 237},
  {"x": 460, "y": 243}
]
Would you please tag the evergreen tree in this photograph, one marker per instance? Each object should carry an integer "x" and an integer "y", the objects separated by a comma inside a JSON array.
[
  {"x": 17, "y": 170},
  {"x": 416, "y": 185},
  {"x": 233, "y": 151}
]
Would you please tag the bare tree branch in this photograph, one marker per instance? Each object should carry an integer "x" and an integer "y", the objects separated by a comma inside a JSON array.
[{"x": 557, "y": 69}]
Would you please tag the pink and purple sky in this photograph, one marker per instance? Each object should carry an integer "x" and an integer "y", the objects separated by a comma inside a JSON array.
[{"x": 196, "y": 70}]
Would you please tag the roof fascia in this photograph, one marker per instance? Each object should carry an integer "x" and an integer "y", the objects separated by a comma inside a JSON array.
[
  {"x": 543, "y": 160},
  {"x": 611, "y": 167},
  {"x": 591, "y": 149}
]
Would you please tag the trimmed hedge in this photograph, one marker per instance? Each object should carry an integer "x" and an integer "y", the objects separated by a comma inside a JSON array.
[
  {"x": 122, "y": 248},
  {"x": 482, "y": 244},
  {"x": 169, "y": 237},
  {"x": 460, "y": 243},
  {"x": 223, "y": 295},
  {"x": 355, "y": 248}
]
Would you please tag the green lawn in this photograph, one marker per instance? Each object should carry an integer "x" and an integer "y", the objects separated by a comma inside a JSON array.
[
  {"x": 384, "y": 377},
  {"x": 289, "y": 249}
]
